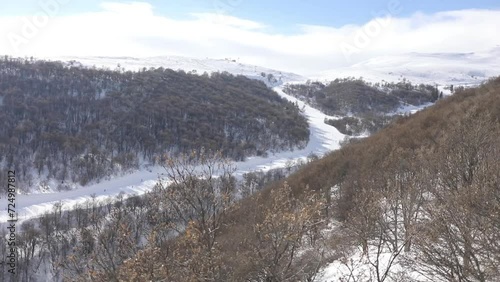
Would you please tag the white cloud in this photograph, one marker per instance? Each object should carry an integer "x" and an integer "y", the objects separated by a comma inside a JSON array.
[
  {"x": 213, "y": 18},
  {"x": 128, "y": 9},
  {"x": 135, "y": 30}
]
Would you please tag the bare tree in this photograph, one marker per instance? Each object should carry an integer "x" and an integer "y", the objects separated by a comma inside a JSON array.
[
  {"x": 196, "y": 195},
  {"x": 460, "y": 237},
  {"x": 282, "y": 234}
]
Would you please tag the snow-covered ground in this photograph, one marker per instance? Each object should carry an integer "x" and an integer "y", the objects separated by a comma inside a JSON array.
[
  {"x": 208, "y": 65},
  {"x": 428, "y": 68},
  {"x": 359, "y": 267},
  {"x": 323, "y": 139},
  {"x": 410, "y": 109}
]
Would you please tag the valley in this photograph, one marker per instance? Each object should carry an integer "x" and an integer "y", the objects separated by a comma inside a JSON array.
[
  {"x": 321, "y": 173},
  {"x": 323, "y": 139}
]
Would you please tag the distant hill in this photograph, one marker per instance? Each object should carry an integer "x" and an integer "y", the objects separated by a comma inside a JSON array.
[
  {"x": 79, "y": 124},
  {"x": 442, "y": 69},
  {"x": 363, "y": 107},
  {"x": 193, "y": 65}
]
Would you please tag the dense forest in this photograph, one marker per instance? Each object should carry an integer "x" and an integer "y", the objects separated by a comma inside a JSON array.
[
  {"x": 363, "y": 107},
  {"x": 420, "y": 198},
  {"x": 75, "y": 124}
]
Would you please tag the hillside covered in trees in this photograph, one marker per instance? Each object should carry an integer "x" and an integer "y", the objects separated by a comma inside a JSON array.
[
  {"x": 417, "y": 201},
  {"x": 363, "y": 107},
  {"x": 77, "y": 124}
]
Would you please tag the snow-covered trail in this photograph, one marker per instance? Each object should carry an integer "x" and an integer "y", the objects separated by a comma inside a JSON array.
[{"x": 323, "y": 138}]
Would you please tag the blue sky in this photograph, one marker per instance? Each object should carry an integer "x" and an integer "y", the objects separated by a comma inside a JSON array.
[
  {"x": 281, "y": 16},
  {"x": 304, "y": 36}
]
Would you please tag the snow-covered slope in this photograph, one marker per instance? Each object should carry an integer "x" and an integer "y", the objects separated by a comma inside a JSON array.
[
  {"x": 187, "y": 64},
  {"x": 430, "y": 68}
]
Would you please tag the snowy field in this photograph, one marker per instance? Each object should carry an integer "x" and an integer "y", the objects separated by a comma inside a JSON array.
[{"x": 436, "y": 69}]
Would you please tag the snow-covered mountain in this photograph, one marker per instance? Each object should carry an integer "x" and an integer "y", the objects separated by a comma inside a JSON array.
[
  {"x": 429, "y": 68},
  {"x": 197, "y": 65}
]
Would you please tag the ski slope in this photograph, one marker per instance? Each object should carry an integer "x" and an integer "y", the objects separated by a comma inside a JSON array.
[{"x": 323, "y": 139}]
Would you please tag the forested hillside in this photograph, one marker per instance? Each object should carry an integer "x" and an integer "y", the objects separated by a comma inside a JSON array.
[
  {"x": 77, "y": 124},
  {"x": 363, "y": 107},
  {"x": 418, "y": 201}
]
